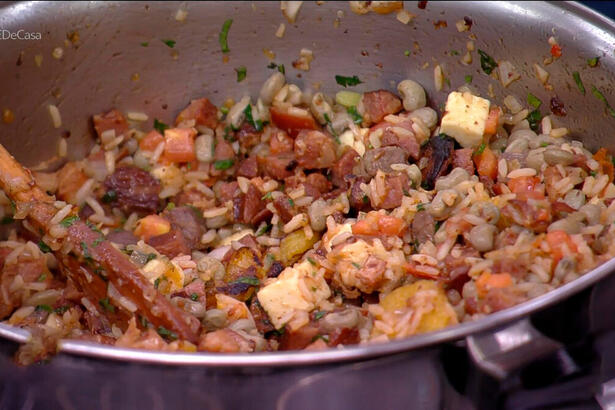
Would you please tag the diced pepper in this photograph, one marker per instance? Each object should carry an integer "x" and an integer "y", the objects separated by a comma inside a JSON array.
[
  {"x": 491, "y": 125},
  {"x": 560, "y": 244},
  {"x": 376, "y": 224},
  {"x": 556, "y": 50},
  {"x": 486, "y": 163},
  {"x": 488, "y": 281},
  {"x": 152, "y": 225},
  {"x": 151, "y": 141},
  {"x": 526, "y": 187},
  {"x": 179, "y": 145},
  {"x": 606, "y": 164}
]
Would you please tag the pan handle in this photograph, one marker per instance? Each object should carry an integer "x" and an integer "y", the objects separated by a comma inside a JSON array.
[{"x": 500, "y": 353}]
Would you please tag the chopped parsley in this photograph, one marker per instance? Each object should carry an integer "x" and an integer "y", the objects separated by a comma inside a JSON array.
[
  {"x": 86, "y": 252},
  {"x": 598, "y": 94},
  {"x": 330, "y": 125},
  {"x": 577, "y": 79},
  {"x": 107, "y": 305},
  {"x": 194, "y": 297},
  {"x": 150, "y": 257},
  {"x": 43, "y": 247},
  {"x": 42, "y": 277},
  {"x": 347, "y": 81},
  {"x": 62, "y": 309},
  {"x": 258, "y": 124},
  {"x": 487, "y": 63},
  {"x": 319, "y": 315},
  {"x": 544, "y": 144},
  {"x": 480, "y": 149},
  {"x": 249, "y": 280},
  {"x": 354, "y": 114},
  {"x": 324, "y": 338},
  {"x": 110, "y": 196},
  {"x": 593, "y": 62},
  {"x": 7, "y": 220},
  {"x": 223, "y": 164},
  {"x": 46, "y": 308},
  {"x": 420, "y": 207},
  {"x": 407, "y": 53},
  {"x": 144, "y": 44},
  {"x": 157, "y": 282},
  {"x": 266, "y": 196},
  {"x": 170, "y": 206},
  {"x": 280, "y": 67},
  {"x": 160, "y": 126},
  {"x": 144, "y": 322},
  {"x": 356, "y": 265},
  {"x": 169, "y": 43},
  {"x": 312, "y": 261},
  {"x": 263, "y": 230},
  {"x": 437, "y": 226},
  {"x": 533, "y": 119},
  {"x": 166, "y": 333},
  {"x": 291, "y": 202},
  {"x": 223, "y": 36},
  {"x": 365, "y": 199},
  {"x": 533, "y": 100},
  {"x": 468, "y": 79},
  {"x": 242, "y": 71},
  {"x": 454, "y": 52},
  {"x": 69, "y": 220},
  {"x": 593, "y": 173},
  {"x": 224, "y": 110},
  {"x": 97, "y": 241}
]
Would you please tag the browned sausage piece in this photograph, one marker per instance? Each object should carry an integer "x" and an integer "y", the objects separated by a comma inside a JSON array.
[
  {"x": 314, "y": 150},
  {"x": 378, "y": 104},
  {"x": 135, "y": 189}
]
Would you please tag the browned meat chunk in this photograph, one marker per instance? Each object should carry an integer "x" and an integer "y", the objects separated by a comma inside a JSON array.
[
  {"x": 371, "y": 274},
  {"x": 358, "y": 200},
  {"x": 201, "y": 111},
  {"x": 122, "y": 237},
  {"x": 70, "y": 179},
  {"x": 439, "y": 154},
  {"x": 319, "y": 181},
  {"x": 225, "y": 341},
  {"x": 382, "y": 159},
  {"x": 463, "y": 159},
  {"x": 136, "y": 190},
  {"x": 170, "y": 244},
  {"x": 248, "y": 167},
  {"x": 189, "y": 222},
  {"x": 344, "y": 167},
  {"x": 29, "y": 270},
  {"x": 314, "y": 150},
  {"x": 285, "y": 209},
  {"x": 248, "y": 137},
  {"x": 536, "y": 217},
  {"x": 406, "y": 142},
  {"x": 278, "y": 166},
  {"x": 423, "y": 227},
  {"x": 378, "y": 104},
  {"x": 253, "y": 205}
]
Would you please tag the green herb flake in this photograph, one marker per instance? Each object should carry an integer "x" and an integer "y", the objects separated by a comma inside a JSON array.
[
  {"x": 356, "y": 265},
  {"x": 598, "y": 94},
  {"x": 69, "y": 220},
  {"x": 110, "y": 196},
  {"x": 166, "y": 333},
  {"x": 242, "y": 71},
  {"x": 257, "y": 124},
  {"x": 354, "y": 114},
  {"x": 533, "y": 100},
  {"x": 224, "y": 110},
  {"x": 593, "y": 62},
  {"x": 347, "y": 81},
  {"x": 420, "y": 207},
  {"x": 42, "y": 277},
  {"x": 437, "y": 226},
  {"x": 577, "y": 79},
  {"x": 291, "y": 202},
  {"x": 266, "y": 196},
  {"x": 480, "y": 149},
  {"x": 169, "y": 43},
  {"x": 454, "y": 52},
  {"x": 534, "y": 119},
  {"x": 7, "y": 220},
  {"x": 248, "y": 280},
  {"x": 263, "y": 230},
  {"x": 150, "y": 257},
  {"x": 97, "y": 241},
  {"x": 593, "y": 173},
  {"x": 468, "y": 79},
  {"x": 365, "y": 199},
  {"x": 157, "y": 282},
  {"x": 447, "y": 81},
  {"x": 144, "y": 44},
  {"x": 46, "y": 308},
  {"x": 407, "y": 53},
  {"x": 223, "y": 164},
  {"x": 160, "y": 126},
  {"x": 223, "y": 36},
  {"x": 544, "y": 144},
  {"x": 487, "y": 63},
  {"x": 86, "y": 252},
  {"x": 324, "y": 338},
  {"x": 194, "y": 297},
  {"x": 106, "y": 304},
  {"x": 43, "y": 247},
  {"x": 312, "y": 261},
  {"x": 319, "y": 315},
  {"x": 62, "y": 309},
  {"x": 143, "y": 321}
]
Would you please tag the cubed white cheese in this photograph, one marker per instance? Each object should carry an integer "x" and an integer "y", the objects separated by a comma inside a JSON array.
[
  {"x": 465, "y": 118},
  {"x": 284, "y": 296}
]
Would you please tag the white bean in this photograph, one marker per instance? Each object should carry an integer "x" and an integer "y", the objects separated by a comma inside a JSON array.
[
  {"x": 481, "y": 237},
  {"x": 413, "y": 95},
  {"x": 427, "y": 115}
]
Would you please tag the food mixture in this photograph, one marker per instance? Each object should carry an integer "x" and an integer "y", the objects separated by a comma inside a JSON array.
[{"x": 301, "y": 221}]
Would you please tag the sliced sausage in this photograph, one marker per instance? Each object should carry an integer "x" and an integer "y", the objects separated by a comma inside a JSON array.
[
  {"x": 395, "y": 186},
  {"x": 248, "y": 167},
  {"x": 343, "y": 167},
  {"x": 253, "y": 205},
  {"x": 248, "y": 137},
  {"x": 463, "y": 159},
  {"x": 170, "y": 244},
  {"x": 278, "y": 166},
  {"x": 423, "y": 227},
  {"x": 280, "y": 142},
  {"x": 314, "y": 150},
  {"x": 378, "y": 104},
  {"x": 135, "y": 189},
  {"x": 122, "y": 237},
  {"x": 284, "y": 208},
  {"x": 186, "y": 220},
  {"x": 406, "y": 142},
  {"x": 319, "y": 181}
]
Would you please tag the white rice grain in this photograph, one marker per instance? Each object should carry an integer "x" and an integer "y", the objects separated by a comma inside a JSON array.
[
  {"x": 56, "y": 118},
  {"x": 214, "y": 212},
  {"x": 61, "y": 214},
  {"x": 279, "y": 33},
  {"x": 158, "y": 152},
  {"x": 96, "y": 207},
  {"x": 62, "y": 147},
  {"x": 137, "y": 116},
  {"x": 295, "y": 223},
  {"x": 559, "y": 132},
  {"x": 521, "y": 172},
  {"x": 84, "y": 191},
  {"x": 244, "y": 184},
  {"x": 110, "y": 162}
]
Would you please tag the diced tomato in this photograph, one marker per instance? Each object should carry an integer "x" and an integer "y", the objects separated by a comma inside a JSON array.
[
  {"x": 202, "y": 111},
  {"x": 486, "y": 163},
  {"x": 556, "y": 50},
  {"x": 560, "y": 244},
  {"x": 488, "y": 281},
  {"x": 179, "y": 145},
  {"x": 376, "y": 223},
  {"x": 526, "y": 188},
  {"x": 292, "y": 122},
  {"x": 280, "y": 143},
  {"x": 152, "y": 225},
  {"x": 491, "y": 125},
  {"x": 151, "y": 141}
]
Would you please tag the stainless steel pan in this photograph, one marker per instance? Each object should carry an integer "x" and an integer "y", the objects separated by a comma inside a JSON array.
[{"x": 109, "y": 67}]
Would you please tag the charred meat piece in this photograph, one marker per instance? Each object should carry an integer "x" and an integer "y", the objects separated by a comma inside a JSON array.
[
  {"x": 134, "y": 190},
  {"x": 439, "y": 154}
]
